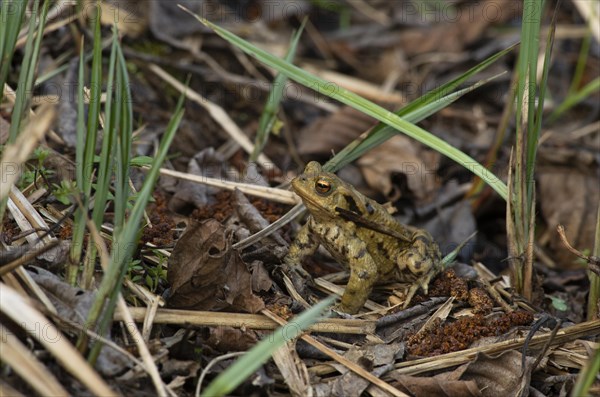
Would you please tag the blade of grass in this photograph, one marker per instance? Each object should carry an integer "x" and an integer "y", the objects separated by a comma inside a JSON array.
[
  {"x": 123, "y": 144},
  {"x": 86, "y": 148},
  {"x": 233, "y": 376},
  {"x": 383, "y": 132},
  {"x": 26, "y": 76},
  {"x": 528, "y": 126},
  {"x": 269, "y": 115},
  {"x": 359, "y": 103},
  {"x": 126, "y": 242},
  {"x": 593, "y": 305},
  {"x": 11, "y": 18},
  {"x": 588, "y": 375},
  {"x": 106, "y": 161},
  {"x": 25, "y": 85},
  {"x": 573, "y": 99}
]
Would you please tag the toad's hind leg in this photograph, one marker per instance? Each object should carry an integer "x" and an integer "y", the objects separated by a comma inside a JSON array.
[{"x": 420, "y": 261}]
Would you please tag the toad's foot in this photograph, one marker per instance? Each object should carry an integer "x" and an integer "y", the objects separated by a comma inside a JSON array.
[
  {"x": 299, "y": 277},
  {"x": 423, "y": 283}
]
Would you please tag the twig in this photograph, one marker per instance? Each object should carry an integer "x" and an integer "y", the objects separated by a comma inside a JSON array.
[{"x": 593, "y": 261}]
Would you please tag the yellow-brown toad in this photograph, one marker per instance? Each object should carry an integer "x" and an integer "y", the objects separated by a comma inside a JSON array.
[{"x": 360, "y": 233}]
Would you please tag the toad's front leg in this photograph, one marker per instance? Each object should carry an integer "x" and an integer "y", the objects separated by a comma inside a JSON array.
[
  {"x": 363, "y": 275},
  {"x": 303, "y": 245}
]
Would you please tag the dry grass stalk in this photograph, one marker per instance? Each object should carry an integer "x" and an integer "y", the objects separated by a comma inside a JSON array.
[{"x": 243, "y": 320}]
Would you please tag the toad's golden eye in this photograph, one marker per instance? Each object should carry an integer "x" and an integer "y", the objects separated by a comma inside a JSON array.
[{"x": 323, "y": 187}]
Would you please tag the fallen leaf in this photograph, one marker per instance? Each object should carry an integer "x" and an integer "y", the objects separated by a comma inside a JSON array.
[
  {"x": 207, "y": 163},
  {"x": 500, "y": 375},
  {"x": 453, "y": 225},
  {"x": 570, "y": 198},
  {"x": 228, "y": 339},
  {"x": 377, "y": 359},
  {"x": 73, "y": 305},
  {"x": 421, "y": 386},
  {"x": 401, "y": 155},
  {"x": 205, "y": 273},
  {"x": 331, "y": 133}
]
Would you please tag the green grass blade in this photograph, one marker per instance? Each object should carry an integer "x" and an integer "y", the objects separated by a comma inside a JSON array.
[
  {"x": 588, "y": 375},
  {"x": 233, "y": 376},
  {"x": 82, "y": 165},
  {"x": 86, "y": 150},
  {"x": 269, "y": 115},
  {"x": 383, "y": 132},
  {"x": 572, "y": 100},
  {"x": 539, "y": 112},
  {"x": 106, "y": 161},
  {"x": 11, "y": 18},
  {"x": 449, "y": 87},
  {"x": 360, "y": 104},
  {"x": 30, "y": 59},
  {"x": 111, "y": 123},
  {"x": 126, "y": 242},
  {"x": 123, "y": 160}
]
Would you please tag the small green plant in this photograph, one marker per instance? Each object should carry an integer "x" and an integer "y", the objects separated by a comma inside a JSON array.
[
  {"x": 135, "y": 271},
  {"x": 64, "y": 191},
  {"x": 34, "y": 167},
  {"x": 157, "y": 274}
]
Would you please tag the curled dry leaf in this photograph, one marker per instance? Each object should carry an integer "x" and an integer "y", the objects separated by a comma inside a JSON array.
[
  {"x": 401, "y": 155},
  {"x": 500, "y": 375},
  {"x": 205, "y": 273},
  {"x": 73, "y": 305},
  {"x": 485, "y": 376}
]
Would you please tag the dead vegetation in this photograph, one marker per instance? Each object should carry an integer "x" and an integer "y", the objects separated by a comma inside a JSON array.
[{"x": 202, "y": 286}]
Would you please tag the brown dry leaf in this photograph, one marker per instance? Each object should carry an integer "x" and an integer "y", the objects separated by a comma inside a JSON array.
[
  {"x": 206, "y": 163},
  {"x": 401, "y": 155},
  {"x": 206, "y": 274},
  {"x": 485, "y": 376},
  {"x": 333, "y": 132},
  {"x": 253, "y": 219},
  {"x": 465, "y": 26},
  {"x": 451, "y": 226},
  {"x": 377, "y": 359},
  {"x": 228, "y": 339},
  {"x": 179, "y": 371},
  {"x": 261, "y": 280},
  {"x": 73, "y": 305},
  {"x": 433, "y": 386},
  {"x": 570, "y": 198},
  {"x": 500, "y": 375}
]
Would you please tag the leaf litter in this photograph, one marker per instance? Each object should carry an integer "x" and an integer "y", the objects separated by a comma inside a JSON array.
[{"x": 474, "y": 347}]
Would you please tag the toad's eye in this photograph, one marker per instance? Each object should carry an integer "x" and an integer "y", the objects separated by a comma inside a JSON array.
[{"x": 323, "y": 187}]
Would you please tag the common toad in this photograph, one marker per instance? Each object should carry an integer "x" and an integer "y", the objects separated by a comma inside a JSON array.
[{"x": 358, "y": 232}]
